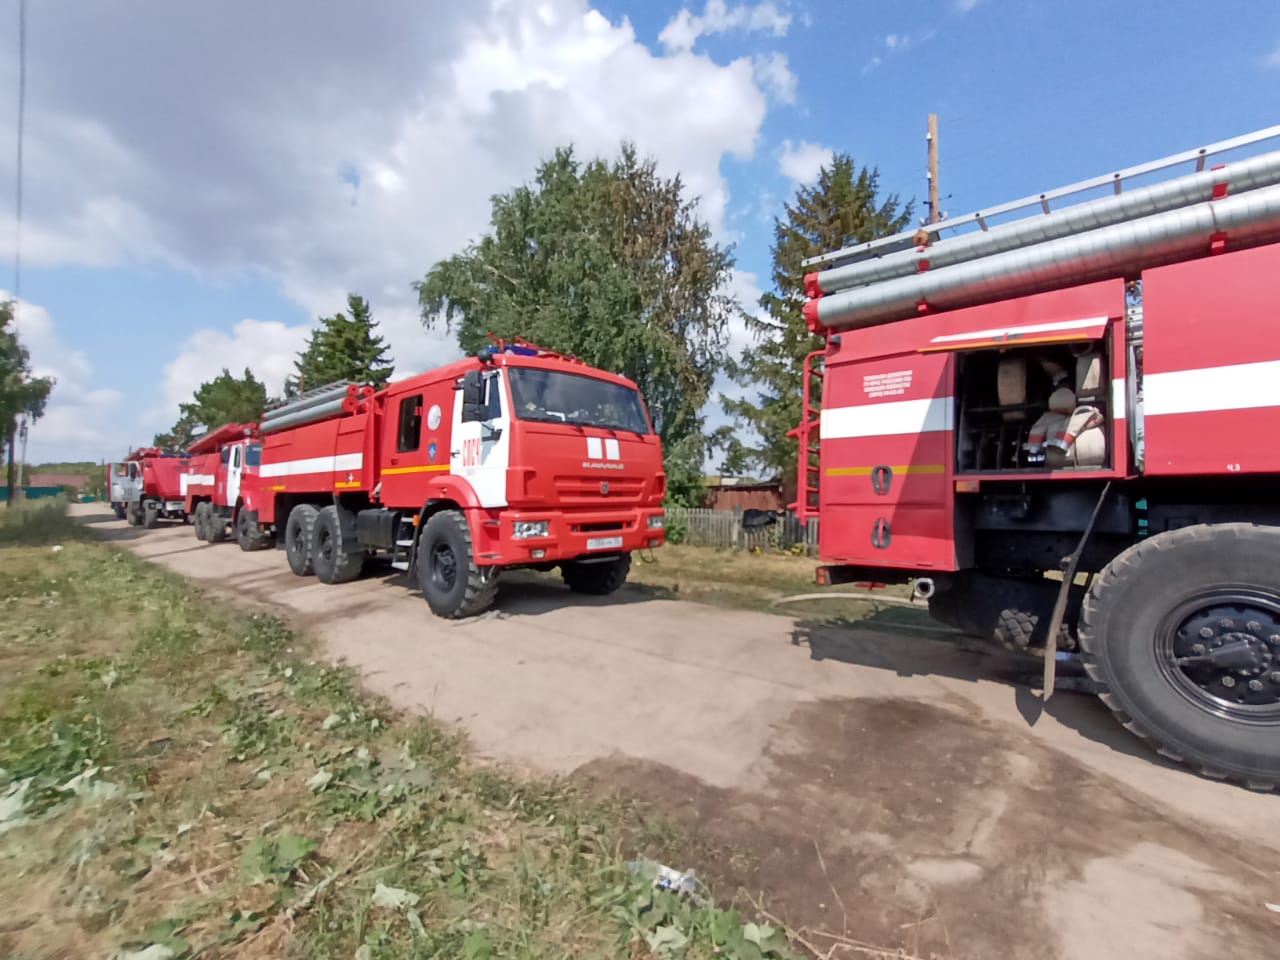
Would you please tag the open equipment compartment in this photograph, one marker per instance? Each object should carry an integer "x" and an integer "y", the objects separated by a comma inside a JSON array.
[{"x": 1034, "y": 410}]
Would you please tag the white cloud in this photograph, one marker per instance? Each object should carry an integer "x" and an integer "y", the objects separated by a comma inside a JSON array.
[
  {"x": 686, "y": 28},
  {"x": 896, "y": 44},
  {"x": 803, "y": 162},
  {"x": 267, "y": 347},
  {"x": 361, "y": 175},
  {"x": 964, "y": 6},
  {"x": 79, "y": 419},
  {"x": 1273, "y": 60},
  {"x": 773, "y": 73}
]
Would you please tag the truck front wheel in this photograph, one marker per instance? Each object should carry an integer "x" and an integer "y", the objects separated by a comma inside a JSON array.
[
  {"x": 299, "y": 531},
  {"x": 1182, "y": 631},
  {"x": 454, "y": 587},
  {"x": 596, "y": 579},
  {"x": 150, "y": 514}
]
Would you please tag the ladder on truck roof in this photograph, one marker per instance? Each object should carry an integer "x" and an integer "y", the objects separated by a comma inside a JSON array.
[{"x": 1042, "y": 201}]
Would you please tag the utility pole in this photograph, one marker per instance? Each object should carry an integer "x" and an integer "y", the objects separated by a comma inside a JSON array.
[{"x": 932, "y": 140}]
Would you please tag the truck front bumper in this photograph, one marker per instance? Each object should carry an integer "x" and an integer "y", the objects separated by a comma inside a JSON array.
[{"x": 518, "y": 538}]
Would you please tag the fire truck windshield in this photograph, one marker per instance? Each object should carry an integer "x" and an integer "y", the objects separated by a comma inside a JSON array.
[{"x": 551, "y": 396}]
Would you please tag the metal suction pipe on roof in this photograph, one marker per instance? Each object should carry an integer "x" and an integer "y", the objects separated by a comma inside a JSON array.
[
  {"x": 312, "y": 414},
  {"x": 1251, "y": 174},
  {"x": 305, "y": 403},
  {"x": 1120, "y": 250}
]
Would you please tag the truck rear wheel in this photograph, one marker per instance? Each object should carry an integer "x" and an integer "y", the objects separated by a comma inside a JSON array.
[
  {"x": 596, "y": 579},
  {"x": 1183, "y": 633},
  {"x": 202, "y": 520},
  {"x": 133, "y": 514},
  {"x": 454, "y": 587},
  {"x": 298, "y": 535},
  {"x": 336, "y": 553},
  {"x": 248, "y": 534},
  {"x": 150, "y": 514},
  {"x": 1012, "y": 614}
]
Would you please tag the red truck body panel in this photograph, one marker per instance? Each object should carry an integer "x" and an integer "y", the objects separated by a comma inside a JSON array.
[
  {"x": 890, "y": 401},
  {"x": 1212, "y": 370}
]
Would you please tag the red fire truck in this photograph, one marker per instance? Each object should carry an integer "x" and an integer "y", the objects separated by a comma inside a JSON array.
[
  {"x": 516, "y": 457},
  {"x": 1058, "y": 427},
  {"x": 219, "y": 465},
  {"x": 146, "y": 486}
]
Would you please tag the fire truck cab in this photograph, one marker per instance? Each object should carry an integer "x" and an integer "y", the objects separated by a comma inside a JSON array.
[
  {"x": 1055, "y": 427},
  {"x": 517, "y": 457},
  {"x": 145, "y": 487},
  {"x": 213, "y": 485}
]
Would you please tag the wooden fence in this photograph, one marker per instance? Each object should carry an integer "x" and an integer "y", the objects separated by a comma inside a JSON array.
[{"x": 724, "y": 529}]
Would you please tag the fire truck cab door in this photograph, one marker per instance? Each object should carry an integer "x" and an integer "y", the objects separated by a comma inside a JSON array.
[
  {"x": 481, "y": 447},
  {"x": 126, "y": 482},
  {"x": 235, "y": 470}
]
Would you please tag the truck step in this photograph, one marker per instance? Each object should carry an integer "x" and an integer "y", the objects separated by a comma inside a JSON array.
[
  {"x": 405, "y": 543},
  {"x": 400, "y": 565}
]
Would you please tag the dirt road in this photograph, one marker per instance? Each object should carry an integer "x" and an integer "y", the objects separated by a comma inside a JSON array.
[{"x": 888, "y": 788}]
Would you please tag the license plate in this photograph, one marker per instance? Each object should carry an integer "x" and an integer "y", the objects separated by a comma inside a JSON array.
[
  {"x": 174, "y": 505},
  {"x": 604, "y": 543}
]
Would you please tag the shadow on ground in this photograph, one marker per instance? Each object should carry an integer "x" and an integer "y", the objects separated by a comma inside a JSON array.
[{"x": 910, "y": 826}]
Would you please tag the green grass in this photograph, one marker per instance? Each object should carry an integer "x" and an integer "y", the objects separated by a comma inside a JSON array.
[{"x": 175, "y": 771}]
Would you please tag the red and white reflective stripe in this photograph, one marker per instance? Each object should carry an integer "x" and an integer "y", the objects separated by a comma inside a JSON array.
[
  {"x": 603, "y": 448},
  {"x": 887, "y": 419},
  {"x": 1239, "y": 386},
  {"x": 292, "y": 468},
  {"x": 1001, "y": 333}
]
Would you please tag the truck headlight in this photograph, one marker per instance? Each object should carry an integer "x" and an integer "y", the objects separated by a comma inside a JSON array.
[
  {"x": 657, "y": 523},
  {"x": 530, "y": 528}
]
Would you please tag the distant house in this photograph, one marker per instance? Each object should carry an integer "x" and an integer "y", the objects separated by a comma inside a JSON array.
[{"x": 736, "y": 493}]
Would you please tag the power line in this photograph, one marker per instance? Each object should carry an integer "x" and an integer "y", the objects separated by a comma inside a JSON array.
[{"x": 22, "y": 111}]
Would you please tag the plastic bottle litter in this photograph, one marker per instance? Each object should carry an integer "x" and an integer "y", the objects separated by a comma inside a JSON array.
[{"x": 664, "y": 877}]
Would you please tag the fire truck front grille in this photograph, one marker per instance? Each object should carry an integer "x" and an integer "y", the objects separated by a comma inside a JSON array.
[{"x": 598, "y": 490}]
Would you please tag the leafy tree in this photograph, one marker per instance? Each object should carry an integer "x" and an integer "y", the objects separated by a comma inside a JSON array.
[
  {"x": 840, "y": 209},
  {"x": 222, "y": 400},
  {"x": 22, "y": 396},
  {"x": 609, "y": 262},
  {"x": 343, "y": 348}
]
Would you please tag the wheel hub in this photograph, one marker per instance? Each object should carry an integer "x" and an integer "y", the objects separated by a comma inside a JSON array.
[
  {"x": 1222, "y": 652},
  {"x": 444, "y": 566}
]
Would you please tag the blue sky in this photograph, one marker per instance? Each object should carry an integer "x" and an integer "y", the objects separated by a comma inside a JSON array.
[{"x": 200, "y": 185}]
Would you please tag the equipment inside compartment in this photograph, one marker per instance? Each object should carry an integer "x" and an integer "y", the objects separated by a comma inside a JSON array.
[{"x": 1036, "y": 408}]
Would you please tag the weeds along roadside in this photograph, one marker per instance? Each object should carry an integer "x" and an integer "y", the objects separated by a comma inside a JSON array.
[{"x": 182, "y": 778}]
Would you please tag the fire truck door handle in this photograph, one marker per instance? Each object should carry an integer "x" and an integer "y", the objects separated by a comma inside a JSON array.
[
  {"x": 881, "y": 477},
  {"x": 394, "y": 461},
  {"x": 880, "y": 534}
]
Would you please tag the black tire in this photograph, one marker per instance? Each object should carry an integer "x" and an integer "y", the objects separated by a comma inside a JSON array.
[
  {"x": 596, "y": 579},
  {"x": 133, "y": 514},
  {"x": 248, "y": 534},
  {"x": 298, "y": 533},
  {"x": 1146, "y": 626},
  {"x": 336, "y": 553},
  {"x": 1012, "y": 614},
  {"x": 202, "y": 520},
  {"x": 454, "y": 587},
  {"x": 215, "y": 526},
  {"x": 150, "y": 514},
  {"x": 118, "y": 510}
]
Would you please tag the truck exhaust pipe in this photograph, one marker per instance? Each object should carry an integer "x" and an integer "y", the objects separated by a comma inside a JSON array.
[{"x": 924, "y": 588}]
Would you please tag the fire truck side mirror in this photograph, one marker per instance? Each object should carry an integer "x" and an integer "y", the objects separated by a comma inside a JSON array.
[{"x": 473, "y": 406}]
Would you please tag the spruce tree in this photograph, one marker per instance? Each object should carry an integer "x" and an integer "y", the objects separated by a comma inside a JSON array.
[
  {"x": 343, "y": 347},
  {"x": 841, "y": 208}
]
